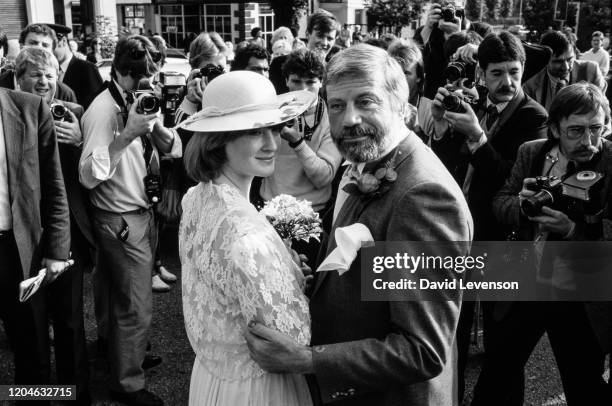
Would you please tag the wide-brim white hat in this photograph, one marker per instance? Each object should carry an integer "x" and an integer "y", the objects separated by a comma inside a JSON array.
[{"x": 244, "y": 100}]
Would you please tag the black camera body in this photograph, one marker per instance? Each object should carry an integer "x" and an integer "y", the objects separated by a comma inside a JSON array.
[
  {"x": 563, "y": 195},
  {"x": 153, "y": 188},
  {"x": 210, "y": 72},
  {"x": 450, "y": 12},
  {"x": 452, "y": 102},
  {"x": 457, "y": 70},
  {"x": 172, "y": 86},
  {"x": 60, "y": 112}
]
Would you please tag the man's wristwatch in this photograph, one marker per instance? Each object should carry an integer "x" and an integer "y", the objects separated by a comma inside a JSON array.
[{"x": 295, "y": 144}]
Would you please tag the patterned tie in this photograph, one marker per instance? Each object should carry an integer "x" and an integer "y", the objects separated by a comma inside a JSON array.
[
  {"x": 60, "y": 76},
  {"x": 492, "y": 115}
]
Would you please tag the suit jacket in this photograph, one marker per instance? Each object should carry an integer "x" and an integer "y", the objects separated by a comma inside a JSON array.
[
  {"x": 84, "y": 79},
  {"x": 38, "y": 198},
  {"x": 521, "y": 121},
  {"x": 397, "y": 352},
  {"x": 63, "y": 92},
  {"x": 537, "y": 86},
  {"x": 530, "y": 163}
]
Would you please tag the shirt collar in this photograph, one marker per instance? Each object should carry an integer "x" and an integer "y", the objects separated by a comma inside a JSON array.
[
  {"x": 499, "y": 106},
  {"x": 122, "y": 91},
  {"x": 64, "y": 65}
]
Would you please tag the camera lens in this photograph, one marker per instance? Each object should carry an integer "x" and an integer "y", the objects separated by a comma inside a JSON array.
[
  {"x": 58, "y": 111},
  {"x": 448, "y": 15},
  {"x": 532, "y": 206},
  {"x": 452, "y": 102},
  {"x": 455, "y": 71},
  {"x": 148, "y": 104}
]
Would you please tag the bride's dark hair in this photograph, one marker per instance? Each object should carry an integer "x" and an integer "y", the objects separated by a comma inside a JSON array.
[{"x": 205, "y": 154}]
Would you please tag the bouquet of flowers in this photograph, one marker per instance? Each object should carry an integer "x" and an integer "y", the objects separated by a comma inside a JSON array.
[{"x": 293, "y": 219}]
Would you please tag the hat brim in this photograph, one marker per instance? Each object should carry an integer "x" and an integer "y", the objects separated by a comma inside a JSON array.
[{"x": 290, "y": 105}]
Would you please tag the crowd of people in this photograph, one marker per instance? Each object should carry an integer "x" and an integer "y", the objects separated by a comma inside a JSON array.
[{"x": 460, "y": 121}]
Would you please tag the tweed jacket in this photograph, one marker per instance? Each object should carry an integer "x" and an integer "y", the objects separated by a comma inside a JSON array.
[
  {"x": 391, "y": 353},
  {"x": 39, "y": 205}
]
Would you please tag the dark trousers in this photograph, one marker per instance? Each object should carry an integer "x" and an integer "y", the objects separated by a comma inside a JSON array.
[
  {"x": 65, "y": 308},
  {"x": 22, "y": 321},
  {"x": 579, "y": 356}
]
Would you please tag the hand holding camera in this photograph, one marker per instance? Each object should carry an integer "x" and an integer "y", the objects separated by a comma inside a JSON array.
[
  {"x": 195, "y": 87},
  {"x": 141, "y": 117},
  {"x": 434, "y": 15},
  {"x": 450, "y": 105},
  {"x": 67, "y": 126}
]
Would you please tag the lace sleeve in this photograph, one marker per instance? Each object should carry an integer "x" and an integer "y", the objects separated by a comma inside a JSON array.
[{"x": 265, "y": 286}]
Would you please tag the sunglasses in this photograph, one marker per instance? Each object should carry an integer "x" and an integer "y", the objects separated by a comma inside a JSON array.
[{"x": 141, "y": 53}]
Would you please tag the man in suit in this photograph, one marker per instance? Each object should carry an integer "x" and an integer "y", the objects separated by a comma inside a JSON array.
[
  {"x": 563, "y": 69},
  {"x": 34, "y": 226},
  {"x": 36, "y": 70},
  {"x": 479, "y": 148},
  {"x": 37, "y": 35},
  {"x": 81, "y": 76},
  {"x": 578, "y": 331},
  {"x": 383, "y": 352}
]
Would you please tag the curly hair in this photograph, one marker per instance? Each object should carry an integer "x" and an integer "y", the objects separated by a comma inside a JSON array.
[
  {"x": 243, "y": 54},
  {"x": 304, "y": 63}
]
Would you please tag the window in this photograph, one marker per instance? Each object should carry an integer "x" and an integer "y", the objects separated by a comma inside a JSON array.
[
  {"x": 134, "y": 18},
  {"x": 218, "y": 18},
  {"x": 266, "y": 22}
]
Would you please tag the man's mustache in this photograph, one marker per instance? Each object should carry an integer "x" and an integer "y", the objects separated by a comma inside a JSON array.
[
  {"x": 505, "y": 89},
  {"x": 357, "y": 132}
]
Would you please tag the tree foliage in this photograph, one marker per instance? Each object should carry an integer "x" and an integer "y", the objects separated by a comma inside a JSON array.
[
  {"x": 493, "y": 9},
  {"x": 288, "y": 12},
  {"x": 394, "y": 13},
  {"x": 472, "y": 10},
  {"x": 506, "y": 8}
]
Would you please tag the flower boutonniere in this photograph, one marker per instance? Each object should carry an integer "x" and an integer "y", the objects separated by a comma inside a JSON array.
[{"x": 373, "y": 184}]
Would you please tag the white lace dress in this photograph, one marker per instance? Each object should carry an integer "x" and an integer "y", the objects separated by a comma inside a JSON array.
[{"x": 235, "y": 269}]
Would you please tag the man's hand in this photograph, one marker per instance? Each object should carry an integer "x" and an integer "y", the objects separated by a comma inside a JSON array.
[
  {"x": 139, "y": 124},
  {"x": 465, "y": 123},
  {"x": 554, "y": 221},
  {"x": 434, "y": 15},
  {"x": 55, "y": 267},
  {"x": 195, "y": 87},
  {"x": 275, "y": 352},
  {"x": 437, "y": 111},
  {"x": 466, "y": 53},
  {"x": 69, "y": 132},
  {"x": 290, "y": 134}
]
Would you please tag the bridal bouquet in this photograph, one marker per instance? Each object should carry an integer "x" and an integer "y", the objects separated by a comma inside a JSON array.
[{"x": 293, "y": 219}]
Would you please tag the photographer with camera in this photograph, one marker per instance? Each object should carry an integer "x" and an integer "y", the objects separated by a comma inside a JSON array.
[
  {"x": 120, "y": 166},
  {"x": 478, "y": 145},
  {"x": 208, "y": 59},
  {"x": 442, "y": 21},
  {"x": 574, "y": 151},
  {"x": 36, "y": 72}
]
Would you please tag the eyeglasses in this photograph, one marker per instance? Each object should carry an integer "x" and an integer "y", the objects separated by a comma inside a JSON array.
[
  {"x": 576, "y": 133},
  {"x": 258, "y": 68}
]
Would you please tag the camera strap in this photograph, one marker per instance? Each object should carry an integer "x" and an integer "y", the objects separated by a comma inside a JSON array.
[
  {"x": 151, "y": 161},
  {"x": 304, "y": 128}
]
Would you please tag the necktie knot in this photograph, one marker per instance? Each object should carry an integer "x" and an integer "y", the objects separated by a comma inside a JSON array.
[{"x": 129, "y": 97}]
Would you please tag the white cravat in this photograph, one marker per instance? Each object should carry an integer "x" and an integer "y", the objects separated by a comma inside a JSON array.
[{"x": 6, "y": 216}]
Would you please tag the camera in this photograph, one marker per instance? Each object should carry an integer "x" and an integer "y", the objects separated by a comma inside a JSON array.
[
  {"x": 449, "y": 13},
  {"x": 210, "y": 72},
  {"x": 452, "y": 102},
  {"x": 148, "y": 103},
  {"x": 172, "y": 86},
  {"x": 457, "y": 70},
  {"x": 561, "y": 194},
  {"x": 153, "y": 188},
  {"x": 60, "y": 112}
]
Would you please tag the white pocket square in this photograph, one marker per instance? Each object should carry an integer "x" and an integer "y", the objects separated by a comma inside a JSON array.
[{"x": 349, "y": 241}]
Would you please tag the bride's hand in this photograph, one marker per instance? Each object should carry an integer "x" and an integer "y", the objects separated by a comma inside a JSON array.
[{"x": 307, "y": 272}]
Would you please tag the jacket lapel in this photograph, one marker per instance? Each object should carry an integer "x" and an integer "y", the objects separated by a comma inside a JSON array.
[
  {"x": 508, "y": 112},
  {"x": 14, "y": 140}
]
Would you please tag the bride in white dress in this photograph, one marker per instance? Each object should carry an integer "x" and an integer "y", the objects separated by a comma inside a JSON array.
[{"x": 235, "y": 267}]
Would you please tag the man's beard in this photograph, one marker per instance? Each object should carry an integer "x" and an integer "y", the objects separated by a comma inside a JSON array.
[{"x": 367, "y": 150}]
